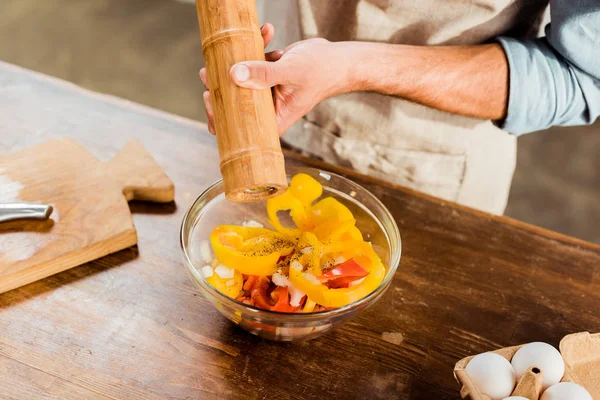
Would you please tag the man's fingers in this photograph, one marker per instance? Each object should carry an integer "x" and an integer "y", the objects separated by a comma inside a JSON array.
[
  {"x": 259, "y": 74},
  {"x": 209, "y": 112},
  {"x": 291, "y": 46},
  {"x": 274, "y": 55},
  {"x": 267, "y": 31},
  {"x": 277, "y": 54},
  {"x": 208, "y": 104},
  {"x": 204, "y": 78}
]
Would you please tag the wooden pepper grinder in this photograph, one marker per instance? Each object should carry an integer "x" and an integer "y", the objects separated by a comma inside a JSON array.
[{"x": 252, "y": 163}]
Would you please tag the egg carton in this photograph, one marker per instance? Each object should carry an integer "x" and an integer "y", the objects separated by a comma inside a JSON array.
[{"x": 580, "y": 351}]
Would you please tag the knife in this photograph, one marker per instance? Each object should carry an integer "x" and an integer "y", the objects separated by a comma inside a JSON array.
[{"x": 12, "y": 212}]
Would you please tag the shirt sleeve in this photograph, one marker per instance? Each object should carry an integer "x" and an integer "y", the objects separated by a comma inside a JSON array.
[{"x": 555, "y": 80}]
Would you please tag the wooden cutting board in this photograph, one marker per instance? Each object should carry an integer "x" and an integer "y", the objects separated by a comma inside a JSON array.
[{"x": 91, "y": 216}]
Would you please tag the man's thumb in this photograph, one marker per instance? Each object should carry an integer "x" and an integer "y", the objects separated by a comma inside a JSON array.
[{"x": 258, "y": 74}]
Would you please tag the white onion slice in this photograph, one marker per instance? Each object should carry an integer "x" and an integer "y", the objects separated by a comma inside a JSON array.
[
  {"x": 307, "y": 250},
  {"x": 205, "y": 251},
  {"x": 253, "y": 224},
  {"x": 207, "y": 271},
  {"x": 224, "y": 272},
  {"x": 296, "y": 265},
  {"x": 280, "y": 280},
  {"x": 296, "y": 296}
]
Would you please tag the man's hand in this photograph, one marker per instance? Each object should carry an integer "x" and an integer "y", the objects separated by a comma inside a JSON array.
[
  {"x": 301, "y": 76},
  {"x": 465, "y": 80}
]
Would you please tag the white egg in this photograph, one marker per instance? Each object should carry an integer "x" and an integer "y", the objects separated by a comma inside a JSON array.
[
  {"x": 492, "y": 374},
  {"x": 542, "y": 356},
  {"x": 566, "y": 391},
  {"x": 516, "y": 398}
]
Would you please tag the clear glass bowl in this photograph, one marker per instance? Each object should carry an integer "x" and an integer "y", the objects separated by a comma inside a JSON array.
[{"x": 212, "y": 209}]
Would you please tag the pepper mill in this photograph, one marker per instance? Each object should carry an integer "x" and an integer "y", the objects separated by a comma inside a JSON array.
[{"x": 252, "y": 162}]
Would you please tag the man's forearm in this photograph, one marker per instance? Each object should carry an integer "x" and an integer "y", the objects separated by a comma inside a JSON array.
[{"x": 467, "y": 80}]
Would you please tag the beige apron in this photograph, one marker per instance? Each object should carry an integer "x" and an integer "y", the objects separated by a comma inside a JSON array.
[{"x": 452, "y": 157}]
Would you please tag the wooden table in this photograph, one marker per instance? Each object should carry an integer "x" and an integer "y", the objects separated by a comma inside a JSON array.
[{"x": 132, "y": 325}]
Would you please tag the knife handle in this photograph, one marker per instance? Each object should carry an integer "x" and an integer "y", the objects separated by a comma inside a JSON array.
[{"x": 12, "y": 212}]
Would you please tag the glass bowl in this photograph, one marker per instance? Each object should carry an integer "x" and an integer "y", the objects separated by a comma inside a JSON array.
[{"x": 212, "y": 209}]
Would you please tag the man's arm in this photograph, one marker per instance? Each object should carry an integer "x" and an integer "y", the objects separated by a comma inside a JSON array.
[{"x": 466, "y": 80}]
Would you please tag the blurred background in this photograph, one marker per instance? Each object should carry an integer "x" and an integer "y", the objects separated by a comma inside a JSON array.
[{"x": 148, "y": 51}]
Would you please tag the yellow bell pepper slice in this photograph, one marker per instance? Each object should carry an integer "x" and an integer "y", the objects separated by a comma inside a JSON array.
[
  {"x": 250, "y": 251},
  {"x": 349, "y": 248},
  {"x": 286, "y": 202},
  {"x": 309, "y": 306},
  {"x": 242, "y": 237},
  {"x": 221, "y": 284},
  {"x": 305, "y": 188},
  {"x": 329, "y": 210},
  {"x": 352, "y": 233},
  {"x": 335, "y": 230},
  {"x": 326, "y": 297},
  {"x": 309, "y": 248}
]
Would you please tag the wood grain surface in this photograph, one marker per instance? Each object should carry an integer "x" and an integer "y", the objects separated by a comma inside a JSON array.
[
  {"x": 91, "y": 216},
  {"x": 132, "y": 326}
]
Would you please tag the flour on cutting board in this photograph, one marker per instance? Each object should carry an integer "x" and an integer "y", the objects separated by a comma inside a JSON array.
[{"x": 16, "y": 247}]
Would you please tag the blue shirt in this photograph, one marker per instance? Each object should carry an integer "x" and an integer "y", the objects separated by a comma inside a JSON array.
[{"x": 555, "y": 80}]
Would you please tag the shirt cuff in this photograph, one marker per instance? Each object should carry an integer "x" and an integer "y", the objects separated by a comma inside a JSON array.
[{"x": 532, "y": 94}]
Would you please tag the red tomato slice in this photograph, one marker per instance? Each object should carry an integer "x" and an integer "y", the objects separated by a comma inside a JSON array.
[
  {"x": 258, "y": 286},
  {"x": 279, "y": 295},
  {"x": 259, "y": 296},
  {"x": 260, "y": 299},
  {"x": 251, "y": 282},
  {"x": 342, "y": 275},
  {"x": 349, "y": 270},
  {"x": 282, "y": 301},
  {"x": 256, "y": 283}
]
